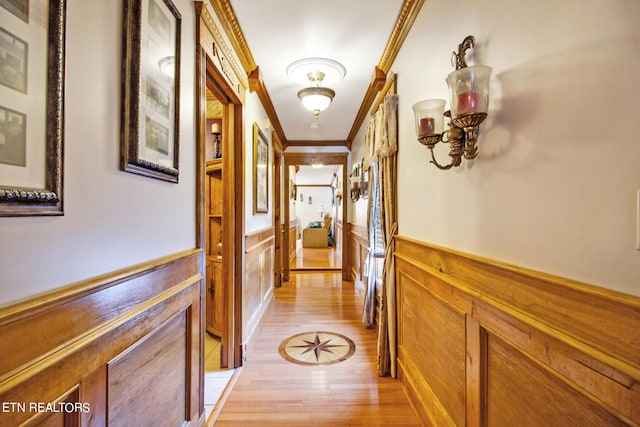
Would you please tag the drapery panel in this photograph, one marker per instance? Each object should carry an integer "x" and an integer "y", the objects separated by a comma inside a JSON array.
[{"x": 381, "y": 146}]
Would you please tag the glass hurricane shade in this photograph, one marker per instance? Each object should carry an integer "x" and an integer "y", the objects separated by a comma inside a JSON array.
[
  {"x": 316, "y": 98},
  {"x": 429, "y": 115},
  {"x": 469, "y": 90}
]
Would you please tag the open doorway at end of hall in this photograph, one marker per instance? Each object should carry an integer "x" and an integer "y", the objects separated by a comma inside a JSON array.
[{"x": 315, "y": 213}]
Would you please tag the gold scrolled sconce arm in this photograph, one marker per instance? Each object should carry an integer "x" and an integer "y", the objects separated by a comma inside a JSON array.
[{"x": 469, "y": 98}]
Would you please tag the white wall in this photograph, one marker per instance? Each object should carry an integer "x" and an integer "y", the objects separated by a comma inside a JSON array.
[
  {"x": 357, "y": 211},
  {"x": 255, "y": 113},
  {"x": 112, "y": 219},
  {"x": 320, "y": 199},
  {"x": 554, "y": 185}
]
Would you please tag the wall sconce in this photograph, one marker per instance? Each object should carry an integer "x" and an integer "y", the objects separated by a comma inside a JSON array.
[
  {"x": 215, "y": 131},
  {"x": 469, "y": 93}
]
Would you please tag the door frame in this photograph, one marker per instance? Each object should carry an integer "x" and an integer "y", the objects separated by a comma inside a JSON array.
[
  {"x": 232, "y": 198},
  {"x": 292, "y": 159},
  {"x": 278, "y": 229}
]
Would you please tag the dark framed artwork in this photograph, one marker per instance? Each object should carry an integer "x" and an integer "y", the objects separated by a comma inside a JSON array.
[
  {"x": 260, "y": 171},
  {"x": 31, "y": 162},
  {"x": 149, "y": 143}
]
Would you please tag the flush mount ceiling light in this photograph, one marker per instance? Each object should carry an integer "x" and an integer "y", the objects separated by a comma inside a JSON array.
[{"x": 315, "y": 72}]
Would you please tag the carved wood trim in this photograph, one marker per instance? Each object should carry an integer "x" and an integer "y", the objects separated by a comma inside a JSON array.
[
  {"x": 402, "y": 26},
  {"x": 377, "y": 82},
  {"x": 229, "y": 22},
  {"x": 390, "y": 88},
  {"x": 257, "y": 85},
  {"x": 236, "y": 75},
  {"x": 404, "y": 22}
]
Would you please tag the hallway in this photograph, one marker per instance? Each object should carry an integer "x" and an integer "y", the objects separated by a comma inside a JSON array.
[{"x": 272, "y": 391}]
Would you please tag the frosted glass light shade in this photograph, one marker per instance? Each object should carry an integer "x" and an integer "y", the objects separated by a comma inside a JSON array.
[
  {"x": 429, "y": 116},
  {"x": 316, "y": 98},
  {"x": 469, "y": 90}
]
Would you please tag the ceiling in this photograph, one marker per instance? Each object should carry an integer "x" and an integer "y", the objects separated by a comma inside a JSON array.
[{"x": 352, "y": 32}]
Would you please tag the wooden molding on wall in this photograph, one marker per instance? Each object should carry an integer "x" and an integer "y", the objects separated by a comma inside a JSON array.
[
  {"x": 483, "y": 343},
  {"x": 378, "y": 79},
  {"x": 89, "y": 345},
  {"x": 257, "y": 85}
]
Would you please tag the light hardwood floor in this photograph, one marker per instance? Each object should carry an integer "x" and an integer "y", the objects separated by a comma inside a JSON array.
[
  {"x": 271, "y": 391},
  {"x": 315, "y": 258}
]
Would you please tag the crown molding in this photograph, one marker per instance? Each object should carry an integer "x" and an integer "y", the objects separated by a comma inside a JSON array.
[
  {"x": 230, "y": 24},
  {"x": 221, "y": 49},
  {"x": 257, "y": 85},
  {"x": 377, "y": 82},
  {"x": 404, "y": 22}
]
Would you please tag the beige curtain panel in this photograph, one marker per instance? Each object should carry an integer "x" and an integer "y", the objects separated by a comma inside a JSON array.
[{"x": 381, "y": 147}]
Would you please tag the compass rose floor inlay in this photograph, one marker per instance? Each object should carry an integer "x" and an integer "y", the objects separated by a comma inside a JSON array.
[{"x": 317, "y": 348}]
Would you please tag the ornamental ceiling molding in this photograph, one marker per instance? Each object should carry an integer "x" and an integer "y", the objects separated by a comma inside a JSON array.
[
  {"x": 230, "y": 24},
  {"x": 404, "y": 22},
  {"x": 406, "y": 17},
  {"x": 221, "y": 50}
]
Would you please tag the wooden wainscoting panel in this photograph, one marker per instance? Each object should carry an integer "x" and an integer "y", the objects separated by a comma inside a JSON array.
[
  {"x": 520, "y": 392},
  {"x": 358, "y": 250},
  {"x": 156, "y": 362},
  {"x": 258, "y": 291},
  {"x": 293, "y": 237},
  {"x": 523, "y": 333},
  {"x": 107, "y": 316},
  {"x": 58, "y": 416},
  {"x": 49, "y": 323},
  {"x": 438, "y": 356}
]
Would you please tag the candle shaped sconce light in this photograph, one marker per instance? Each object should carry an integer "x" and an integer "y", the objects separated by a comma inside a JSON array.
[
  {"x": 469, "y": 97},
  {"x": 217, "y": 140}
]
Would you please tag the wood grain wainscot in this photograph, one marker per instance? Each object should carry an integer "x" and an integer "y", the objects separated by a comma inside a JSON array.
[
  {"x": 124, "y": 348},
  {"x": 482, "y": 343},
  {"x": 258, "y": 291},
  {"x": 358, "y": 250},
  {"x": 293, "y": 237},
  {"x": 338, "y": 235}
]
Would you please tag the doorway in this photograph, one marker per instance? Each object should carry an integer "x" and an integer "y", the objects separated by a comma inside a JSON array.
[
  {"x": 293, "y": 229},
  {"x": 219, "y": 213}
]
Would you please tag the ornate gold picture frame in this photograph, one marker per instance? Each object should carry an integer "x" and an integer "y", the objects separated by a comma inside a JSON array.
[
  {"x": 149, "y": 143},
  {"x": 31, "y": 163}
]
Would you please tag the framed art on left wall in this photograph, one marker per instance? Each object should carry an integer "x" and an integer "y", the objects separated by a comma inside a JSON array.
[
  {"x": 149, "y": 143},
  {"x": 32, "y": 56},
  {"x": 260, "y": 171}
]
